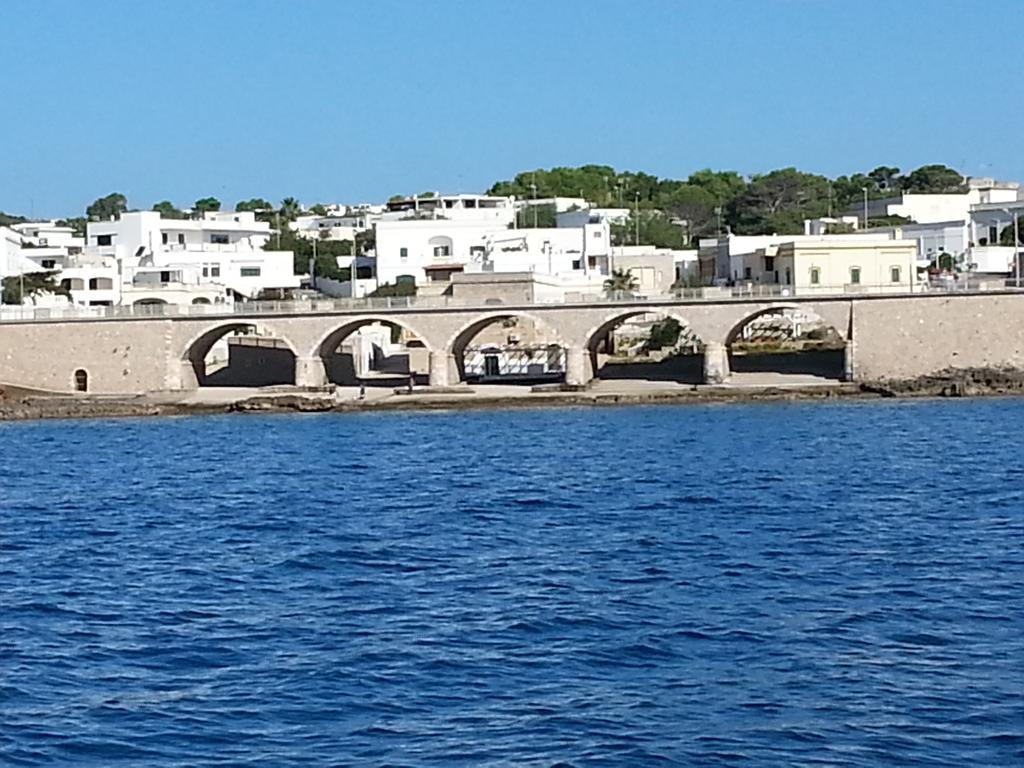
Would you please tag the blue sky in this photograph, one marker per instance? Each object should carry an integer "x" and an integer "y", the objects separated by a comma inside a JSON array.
[{"x": 356, "y": 101}]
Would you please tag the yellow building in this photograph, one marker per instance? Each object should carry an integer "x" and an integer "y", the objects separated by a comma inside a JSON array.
[{"x": 825, "y": 265}]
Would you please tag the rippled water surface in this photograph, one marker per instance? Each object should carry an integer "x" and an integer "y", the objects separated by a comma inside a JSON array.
[{"x": 763, "y": 585}]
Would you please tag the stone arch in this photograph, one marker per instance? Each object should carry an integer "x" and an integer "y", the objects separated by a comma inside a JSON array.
[
  {"x": 273, "y": 365},
  {"x": 801, "y": 341},
  {"x": 598, "y": 333},
  {"x": 554, "y": 363},
  {"x": 338, "y": 370},
  {"x": 80, "y": 380}
]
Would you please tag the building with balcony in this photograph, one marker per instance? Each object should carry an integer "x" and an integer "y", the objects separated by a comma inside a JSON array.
[
  {"x": 430, "y": 249},
  {"x": 222, "y": 248}
]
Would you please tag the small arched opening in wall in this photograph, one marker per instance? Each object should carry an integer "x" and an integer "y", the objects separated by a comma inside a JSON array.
[
  {"x": 374, "y": 351},
  {"x": 646, "y": 346},
  {"x": 509, "y": 348},
  {"x": 81, "y": 380},
  {"x": 785, "y": 344},
  {"x": 241, "y": 354}
]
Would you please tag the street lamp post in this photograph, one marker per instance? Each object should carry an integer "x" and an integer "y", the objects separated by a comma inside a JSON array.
[
  {"x": 1016, "y": 248},
  {"x": 865, "y": 207}
]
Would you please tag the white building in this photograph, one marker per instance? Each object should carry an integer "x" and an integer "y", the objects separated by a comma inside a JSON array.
[
  {"x": 986, "y": 253},
  {"x": 579, "y": 217},
  {"x": 430, "y": 250},
  {"x": 48, "y": 234},
  {"x": 922, "y": 208},
  {"x": 222, "y": 248},
  {"x": 341, "y": 225}
]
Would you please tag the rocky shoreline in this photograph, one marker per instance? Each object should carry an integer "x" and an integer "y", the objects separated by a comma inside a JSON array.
[{"x": 21, "y": 405}]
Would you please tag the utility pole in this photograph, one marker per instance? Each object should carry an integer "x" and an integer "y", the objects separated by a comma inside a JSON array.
[
  {"x": 865, "y": 207},
  {"x": 533, "y": 201},
  {"x": 636, "y": 235}
]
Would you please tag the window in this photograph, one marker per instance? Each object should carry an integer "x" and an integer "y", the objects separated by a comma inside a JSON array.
[
  {"x": 165, "y": 277},
  {"x": 81, "y": 381},
  {"x": 93, "y": 284},
  {"x": 815, "y": 276},
  {"x": 769, "y": 264},
  {"x": 219, "y": 239},
  {"x": 65, "y": 284},
  {"x": 597, "y": 234},
  {"x": 403, "y": 253},
  {"x": 206, "y": 271},
  {"x": 894, "y": 274},
  {"x": 789, "y": 277},
  {"x": 48, "y": 263},
  {"x": 442, "y": 250},
  {"x": 746, "y": 273},
  {"x": 181, "y": 238},
  {"x": 104, "y": 239},
  {"x": 215, "y": 270},
  {"x": 249, "y": 271},
  {"x": 855, "y": 275},
  {"x": 163, "y": 238}
]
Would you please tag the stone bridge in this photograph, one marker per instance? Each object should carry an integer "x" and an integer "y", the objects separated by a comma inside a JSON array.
[{"x": 886, "y": 337}]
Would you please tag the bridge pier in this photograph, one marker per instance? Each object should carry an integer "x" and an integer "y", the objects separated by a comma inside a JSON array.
[
  {"x": 850, "y": 361},
  {"x": 716, "y": 363},
  {"x": 310, "y": 372},
  {"x": 441, "y": 366},
  {"x": 186, "y": 376},
  {"x": 577, "y": 367}
]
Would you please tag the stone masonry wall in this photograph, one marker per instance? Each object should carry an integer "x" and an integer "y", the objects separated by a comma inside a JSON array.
[
  {"x": 119, "y": 357},
  {"x": 901, "y": 338}
]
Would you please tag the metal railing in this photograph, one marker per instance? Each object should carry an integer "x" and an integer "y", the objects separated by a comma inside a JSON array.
[{"x": 328, "y": 305}]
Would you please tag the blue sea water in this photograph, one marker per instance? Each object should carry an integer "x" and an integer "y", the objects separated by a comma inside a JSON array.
[{"x": 769, "y": 585}]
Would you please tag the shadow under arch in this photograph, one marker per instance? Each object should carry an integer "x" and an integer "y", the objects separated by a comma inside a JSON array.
[
  {"x": 390, "y": 367},
  {"x": 683, "y": 368},
  {"x": 258, "y": 357},
  {"x": 788, "y": 339},
  {"x": 534, "y": 360}
]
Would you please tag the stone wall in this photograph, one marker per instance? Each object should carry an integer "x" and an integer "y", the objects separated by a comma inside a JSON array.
[
  {"x": 905, "y": 338},
  {"x": 119, "y": 357}
]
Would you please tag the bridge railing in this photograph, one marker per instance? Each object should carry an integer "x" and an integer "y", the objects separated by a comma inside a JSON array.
[{"x": 326, "y": 304}]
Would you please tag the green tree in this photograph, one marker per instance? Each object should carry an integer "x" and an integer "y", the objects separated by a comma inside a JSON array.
[
  {"x": 253, "y": 204},
  {"x": 723, "y": 186},
  {"x": 664, "y": 333},
  {"x": 886, "y": 178},
  {"x": 778, "y": 202},
  {"x": 104, "y": 208},
  {"x": 167, "y": 210},
  {"x": 541, "y": 216},
  {"x": 934, "y": 179},
  {"x": 204, "y": 204},
  {"x": 318, "y": 209},
  {"x": 1006, "y": 236},
  {"x": 290, "y": 208},
  {"x": 621, "y": 282},
  {"x": 6, "y": 219},
  {"x": 696, "y": 206},
  {"x": 33, "y": 284},
  {"x": 401, "y": 288}
]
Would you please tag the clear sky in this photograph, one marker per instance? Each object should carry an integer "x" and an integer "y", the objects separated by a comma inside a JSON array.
[{"x": 339, "y": 100}]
